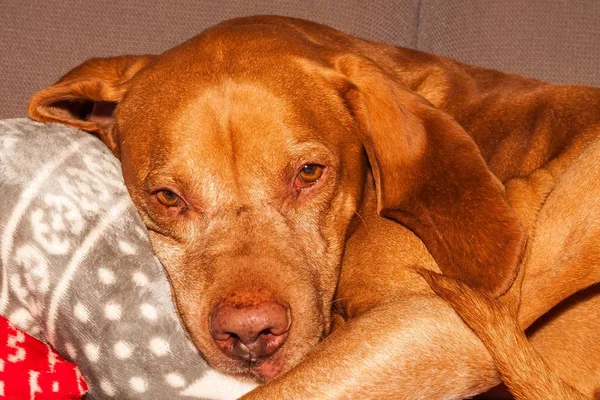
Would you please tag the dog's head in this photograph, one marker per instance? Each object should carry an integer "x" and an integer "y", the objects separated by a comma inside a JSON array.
[{"x": 246, "y": 151}]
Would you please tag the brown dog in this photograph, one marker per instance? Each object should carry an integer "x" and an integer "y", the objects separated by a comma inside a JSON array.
[{"x": 278, "y": 163}]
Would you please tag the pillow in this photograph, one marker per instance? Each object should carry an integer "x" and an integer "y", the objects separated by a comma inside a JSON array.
[{"x": 77, "y": 270}]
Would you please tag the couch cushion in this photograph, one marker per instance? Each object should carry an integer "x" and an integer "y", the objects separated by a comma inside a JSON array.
[
  {"x": 43, "y": 40},
  {"x": 553, "y": 40},
  {"x": 77, "y": 270}
]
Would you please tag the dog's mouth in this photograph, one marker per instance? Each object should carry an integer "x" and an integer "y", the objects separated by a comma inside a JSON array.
[
  {"x": 260, "y": 358},
  {"x": 258, "y": 363},
  {"x": 266, "y": 369},
  {"x": 261, "y": 369}
]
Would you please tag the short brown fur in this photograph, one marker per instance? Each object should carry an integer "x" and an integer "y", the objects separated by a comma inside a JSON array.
[{"x": 429, "y": 163}]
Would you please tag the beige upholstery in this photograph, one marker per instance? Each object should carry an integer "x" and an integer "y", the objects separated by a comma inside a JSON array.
[{"x": 555, "y": 40}]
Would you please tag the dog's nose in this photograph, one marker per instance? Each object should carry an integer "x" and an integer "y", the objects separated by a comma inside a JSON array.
[{"x": 250, "y": 331}]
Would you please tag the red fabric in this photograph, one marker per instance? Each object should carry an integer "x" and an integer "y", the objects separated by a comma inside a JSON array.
[{"x": 29, "y": 369}]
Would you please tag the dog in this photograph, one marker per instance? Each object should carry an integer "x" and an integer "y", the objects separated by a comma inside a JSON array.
[{"x": 296, "y": 182}]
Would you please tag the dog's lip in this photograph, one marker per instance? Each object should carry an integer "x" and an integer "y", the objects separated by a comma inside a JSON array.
[
  {"x": 267, "y": 369},
  {"x": 261, "y": 369}
]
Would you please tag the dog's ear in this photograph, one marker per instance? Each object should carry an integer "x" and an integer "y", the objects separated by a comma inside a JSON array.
[
  {"x": 431, "y": 177},
  {"x": 86, "y": 96}
]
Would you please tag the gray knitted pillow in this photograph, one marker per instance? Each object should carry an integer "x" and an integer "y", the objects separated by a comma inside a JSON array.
[{"x": 77, "y": 270}]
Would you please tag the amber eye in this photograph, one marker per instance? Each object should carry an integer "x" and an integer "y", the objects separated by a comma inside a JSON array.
[
  {"x": 168, "y": 198},
  {"x": 310, "y": 173}
]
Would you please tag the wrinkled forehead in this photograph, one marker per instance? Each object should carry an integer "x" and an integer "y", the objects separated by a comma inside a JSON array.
[
  {"x": 229, "y": 126},
  {"x": 224, "y": 100},
  {"x": 240, "y": 116},
  {"x": 242, "y": 123}
]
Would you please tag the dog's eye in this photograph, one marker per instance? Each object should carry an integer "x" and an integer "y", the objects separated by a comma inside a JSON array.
[
  {"x": 309, "y": 174},
  {"x": 168, "y": 198}
]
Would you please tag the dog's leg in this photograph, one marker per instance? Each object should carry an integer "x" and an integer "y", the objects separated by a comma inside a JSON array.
[
  {"x": 567, "y": 339},
  {"x": 563, "y": 257},
  {"x": 414, "y": 347},
  {"x": 522, "y": 369}
]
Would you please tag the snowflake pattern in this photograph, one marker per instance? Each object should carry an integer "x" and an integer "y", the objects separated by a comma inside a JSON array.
[{"x": 77, "y": 270}]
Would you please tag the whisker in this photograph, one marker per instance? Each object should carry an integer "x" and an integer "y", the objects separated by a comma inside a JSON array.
[{"x": 361, "y": 218}]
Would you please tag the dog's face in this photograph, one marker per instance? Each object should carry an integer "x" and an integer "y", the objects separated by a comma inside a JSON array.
[
  {"x": 246, "y": 190},
  {"x": 246, "y": 151}
]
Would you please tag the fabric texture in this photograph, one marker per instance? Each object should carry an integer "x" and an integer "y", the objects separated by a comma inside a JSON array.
[
  {"x": 42, "y": 40},
  {"x": 77, "y": 270},
  {"x": 32, "y": 370},
  {"x": 552, "y": 40}
]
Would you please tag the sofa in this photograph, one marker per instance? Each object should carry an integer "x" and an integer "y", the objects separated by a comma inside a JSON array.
[{"x": 553, "y": 40}]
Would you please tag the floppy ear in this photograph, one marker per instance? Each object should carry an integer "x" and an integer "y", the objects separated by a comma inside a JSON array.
[
  {"x": 431, "y": 177},
  {"x": 86, "y": 96}
]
